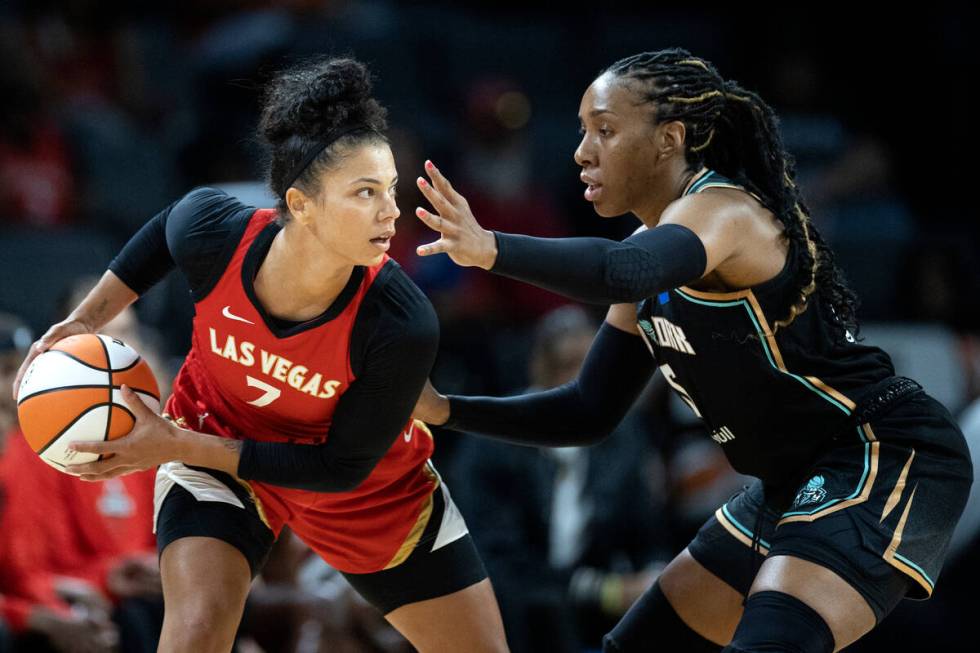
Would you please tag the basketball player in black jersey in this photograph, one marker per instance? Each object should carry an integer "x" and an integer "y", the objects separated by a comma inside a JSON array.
[{"x": 862, "y": 476}]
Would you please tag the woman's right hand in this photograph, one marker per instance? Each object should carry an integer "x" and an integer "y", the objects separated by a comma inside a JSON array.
[
  {"x": 460, "y": 235},
  {"x": 69, "y": 327},
  {"x": 432, "y": 407}
]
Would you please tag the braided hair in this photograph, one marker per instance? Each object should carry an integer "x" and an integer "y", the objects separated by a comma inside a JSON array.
[
  {"x": 735, "y": 132},
  {"x": 307, "y": 104}
]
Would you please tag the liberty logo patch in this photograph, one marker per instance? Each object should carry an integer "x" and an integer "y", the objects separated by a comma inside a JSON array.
[{"x": 814, "y": 492}]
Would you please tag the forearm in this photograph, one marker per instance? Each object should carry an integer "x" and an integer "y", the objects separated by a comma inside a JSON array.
[
  {"x": 312, "y": 467},
  {"x": 104, "y": 302},
  {"x": 584, "y": 411},
  {"x": 601, "y": 271},
  {"x": 553, "y": 418},
  {"x": 210, "y": 451}
]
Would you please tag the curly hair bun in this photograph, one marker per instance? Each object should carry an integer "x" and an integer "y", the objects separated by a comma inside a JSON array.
[{"x": 311, "y": 100}]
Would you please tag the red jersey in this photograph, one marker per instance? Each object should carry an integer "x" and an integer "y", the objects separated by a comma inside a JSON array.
[{"x": 241, "y": 380}]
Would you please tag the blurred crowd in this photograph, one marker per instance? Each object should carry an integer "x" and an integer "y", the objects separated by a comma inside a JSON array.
[{"x": 112, "y": 110}]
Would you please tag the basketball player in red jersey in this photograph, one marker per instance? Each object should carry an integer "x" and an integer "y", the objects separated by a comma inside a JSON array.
[{"x": 310, "y": 348}]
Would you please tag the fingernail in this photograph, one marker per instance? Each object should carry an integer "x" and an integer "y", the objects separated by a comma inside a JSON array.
[
  {"x": 423, "y": 182},
  {"x": 420, "y": 211},
  {"x": 420, "y": 251},
  {"x": 429, "y": 165}
]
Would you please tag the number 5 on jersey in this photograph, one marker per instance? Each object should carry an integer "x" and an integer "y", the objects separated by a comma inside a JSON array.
[{"x": 672, "y": 380}]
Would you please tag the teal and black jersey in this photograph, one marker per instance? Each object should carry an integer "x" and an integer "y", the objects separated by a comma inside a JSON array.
[{"x": 773, "y": 401}]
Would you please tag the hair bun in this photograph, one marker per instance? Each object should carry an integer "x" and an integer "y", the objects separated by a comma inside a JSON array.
[{"x": 313, "y": 100}]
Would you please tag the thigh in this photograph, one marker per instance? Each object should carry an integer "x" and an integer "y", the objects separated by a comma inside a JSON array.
[
  {"x": 707, "y": 582},
  {"x": 838, "y": 603},
  {"x": 706, "y": 604},
  {"x": 198, "y": 502},
  {"x": 467, "y": 620},
  {"x": 205, "y": 583},
  {"x": 439, "y": 597},
  {"x": 212, "y": 541}
]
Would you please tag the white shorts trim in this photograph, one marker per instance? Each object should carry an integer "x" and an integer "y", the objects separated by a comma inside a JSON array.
[{"x": 201, "y": 485}]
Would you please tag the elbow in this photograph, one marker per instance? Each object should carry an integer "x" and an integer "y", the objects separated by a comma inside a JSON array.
[
  {"x": 632, "y": 275},
  {"x": 628, "y": 291},
  {"x": 604, "y": 423},
  {"x": 589, "y": 433}
]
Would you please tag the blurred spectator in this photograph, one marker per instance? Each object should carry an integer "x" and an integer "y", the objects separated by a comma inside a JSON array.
[
  {"x": 43, "y": 612},
  {"x": 571, "y": 536},
  {"x": 94, "y": 540},
  {"x": 496, "y": 175},
  {"x": 36, "y": 179},
  {"x": 847, "y": 177},
  {"x": 97, "y": 537},
  {"x": 351, "y": 625}
]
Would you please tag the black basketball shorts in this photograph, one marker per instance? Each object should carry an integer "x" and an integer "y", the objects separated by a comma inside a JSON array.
[
  {"x": 879, "y": 510},
  {"x": 199, "y": 502}
]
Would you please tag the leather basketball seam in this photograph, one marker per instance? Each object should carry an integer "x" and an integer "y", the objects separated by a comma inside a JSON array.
[
  {"x": 74, "y": 421},
  {"x": 108, "y": 419},
  {"x": 87, "y": 386}
]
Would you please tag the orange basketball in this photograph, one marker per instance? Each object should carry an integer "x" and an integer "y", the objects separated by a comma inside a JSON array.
[{"x": 72, "y": 392}]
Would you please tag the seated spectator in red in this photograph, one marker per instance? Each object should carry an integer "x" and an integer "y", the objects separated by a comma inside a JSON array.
[
  {"x": 41, "y": 611},
  {"x": 71, "y": 552}
]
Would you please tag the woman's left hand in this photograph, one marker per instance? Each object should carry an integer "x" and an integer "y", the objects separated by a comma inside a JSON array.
[
  {"x": 461, "y": 236},
  {"x": 153, "y": 441}
]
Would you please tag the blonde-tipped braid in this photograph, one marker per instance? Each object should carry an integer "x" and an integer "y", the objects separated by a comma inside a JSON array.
[{"x": 811, "y": 247}]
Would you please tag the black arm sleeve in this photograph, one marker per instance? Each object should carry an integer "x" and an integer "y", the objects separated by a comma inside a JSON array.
[
  {"x": 581, "y": 412},
  {"x": 400, "y": 352},
  {"x": 601, "y": 271},
  {"x": 145, "y": 259},
  {"x": 197, "y": 233}
]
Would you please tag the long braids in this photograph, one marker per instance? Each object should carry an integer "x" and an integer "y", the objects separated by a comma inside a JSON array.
[{"x": 733, "y": 131}]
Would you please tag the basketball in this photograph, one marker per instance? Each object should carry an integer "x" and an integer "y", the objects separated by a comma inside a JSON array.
[{"x": 72, "y": 392}]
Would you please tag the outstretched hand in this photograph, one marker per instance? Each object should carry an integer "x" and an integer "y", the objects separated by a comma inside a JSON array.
[
  {"x": 461, "y": 236},
  {"x": 153, "y": 441}
]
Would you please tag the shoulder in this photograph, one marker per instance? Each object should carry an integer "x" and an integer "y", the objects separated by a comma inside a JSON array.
[
  {"x": 204, "y": 222},
  {"x": 206, "y": 207},
  {"x": 727, "y": 220},
  {"x": 718, "y": 207},
  {"x": 403, "y": 312}
]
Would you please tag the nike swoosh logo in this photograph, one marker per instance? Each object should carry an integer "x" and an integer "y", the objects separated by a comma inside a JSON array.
[
  {"x": 408, "y": 433},
  {"x": 228, "y": 314}
]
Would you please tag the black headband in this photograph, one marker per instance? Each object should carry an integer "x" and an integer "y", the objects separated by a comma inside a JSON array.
[{"x": 329, "y": 139}]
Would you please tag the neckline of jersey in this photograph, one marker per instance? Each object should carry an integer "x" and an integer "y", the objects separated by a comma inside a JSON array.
[
  {"x": 700, "y": 174},
  {"x": 258, "y": 249}
]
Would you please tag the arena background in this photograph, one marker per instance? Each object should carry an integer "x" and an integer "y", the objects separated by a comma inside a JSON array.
[{"x": 112, "y": 110}]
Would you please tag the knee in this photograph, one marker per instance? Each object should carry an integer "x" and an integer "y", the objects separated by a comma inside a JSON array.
[
  {"x": 779, "y": 622},
  {"x": 200, "y": 626},
  {"x": 653, "y": 622}
]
